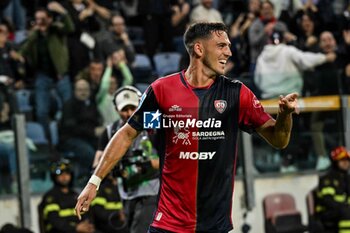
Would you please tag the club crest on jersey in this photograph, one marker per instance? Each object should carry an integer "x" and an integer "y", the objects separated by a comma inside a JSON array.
[{"x": 220, "y": 105}]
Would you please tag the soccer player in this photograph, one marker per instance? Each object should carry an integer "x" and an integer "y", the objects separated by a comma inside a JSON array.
[{"x": 199, "y": 111}]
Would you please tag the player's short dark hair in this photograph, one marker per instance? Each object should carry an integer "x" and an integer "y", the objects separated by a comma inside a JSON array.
[{"x": 201, "y": 30}]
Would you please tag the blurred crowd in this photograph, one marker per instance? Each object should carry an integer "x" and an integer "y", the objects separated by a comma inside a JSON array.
[{"x": 66, "y": 58}]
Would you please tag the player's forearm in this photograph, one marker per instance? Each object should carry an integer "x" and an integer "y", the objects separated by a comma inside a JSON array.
[
  {"x": 282, "y": 130},
  {"x": 115, "y": 150}
]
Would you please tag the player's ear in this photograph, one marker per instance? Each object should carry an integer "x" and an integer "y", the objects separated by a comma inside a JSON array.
[{"x": 198, "y": 49}]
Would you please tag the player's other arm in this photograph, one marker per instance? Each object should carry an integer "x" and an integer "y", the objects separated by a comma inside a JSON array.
[{"x": 277, "y": 132}]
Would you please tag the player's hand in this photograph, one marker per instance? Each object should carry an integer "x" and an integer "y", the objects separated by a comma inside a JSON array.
[
  {"x": 288, "y": 104},
  {"x": 85, "y": 198}
]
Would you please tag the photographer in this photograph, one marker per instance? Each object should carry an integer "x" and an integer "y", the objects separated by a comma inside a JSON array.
[
  {"x": 46, "y": 54},
  {"x": 138, "y": 171}
]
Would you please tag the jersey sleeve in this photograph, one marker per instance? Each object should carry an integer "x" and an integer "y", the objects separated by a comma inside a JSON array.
[
  {"x": 252, "y": 114},
  {"x": 148, "y": 103}
]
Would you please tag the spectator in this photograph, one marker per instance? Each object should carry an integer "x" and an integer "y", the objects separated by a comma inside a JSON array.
[
  {"x": 92, "y": 74},
  {"x": 46, "y": 53},
  {"x": 8, "y": 155},
  {"x": 308, "y": 33},
  {"x": 110, "y": 84},
  {"x": 180, "y": 18},
  {"x": 56, "y": 209},
  {"x": 279, "y": 67},
  {"x": 333, "y": 207},
  {"x": 116, "y": 39},
  {"x": 309, "y": 8},
  {"x": 103, "y": 10},
  {"x": 328, "y": 80},
  {"x": 261, "y": 29},
  {"x": 11, "y": 62},
  {"x": 121, "y": 69},
  {"x": 81, "y": 42},
  {"x": 279, "y": 70},
  {"x": 239, "y": 37},
  {"x": 331, "y": 12},
  {"x": 205, "y": 12},
  {"x": 324, "y": 85},
  {"x": 7, "y": 147},
  {"x": 80, "y": 128},
  {"x": 244, "y": 20}
]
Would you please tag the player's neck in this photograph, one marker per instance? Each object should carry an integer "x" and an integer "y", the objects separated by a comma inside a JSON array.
[{"x": 197, "y": 77}]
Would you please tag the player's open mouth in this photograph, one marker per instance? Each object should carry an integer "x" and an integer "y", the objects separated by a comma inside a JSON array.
[{"x": 222, "y": 62}]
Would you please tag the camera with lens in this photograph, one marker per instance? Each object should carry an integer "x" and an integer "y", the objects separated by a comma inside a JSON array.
[{"x": 135, "y": 169}]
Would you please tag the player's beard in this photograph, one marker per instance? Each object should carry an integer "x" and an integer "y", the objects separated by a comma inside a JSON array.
[{"x": 212, "y": 67}]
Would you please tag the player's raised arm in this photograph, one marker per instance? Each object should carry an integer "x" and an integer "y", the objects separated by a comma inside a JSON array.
[{"x": 277, "y": 132}]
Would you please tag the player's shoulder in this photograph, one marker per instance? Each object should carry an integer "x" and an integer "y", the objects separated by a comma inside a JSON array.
[{"x": 170, "y": 80}]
